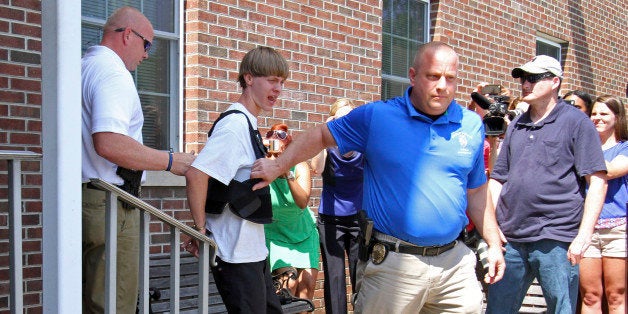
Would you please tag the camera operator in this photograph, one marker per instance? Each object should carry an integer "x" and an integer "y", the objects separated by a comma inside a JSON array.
[{"x": 493, "y": 103}]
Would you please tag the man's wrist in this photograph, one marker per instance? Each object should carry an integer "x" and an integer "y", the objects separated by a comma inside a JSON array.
[{"x": 198, "y": 228}]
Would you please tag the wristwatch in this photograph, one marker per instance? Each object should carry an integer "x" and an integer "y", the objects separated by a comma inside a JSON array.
[{"x": 290, "y": 176}]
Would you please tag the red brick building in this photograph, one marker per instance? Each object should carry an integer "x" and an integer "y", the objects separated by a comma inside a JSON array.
[{"x": 355, "y": 49}]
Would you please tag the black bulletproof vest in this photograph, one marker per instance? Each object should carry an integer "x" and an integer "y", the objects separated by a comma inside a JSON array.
[{"x": 251, "y": 205}]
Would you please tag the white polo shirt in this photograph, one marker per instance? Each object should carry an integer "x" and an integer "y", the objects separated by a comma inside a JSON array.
[{"x": 110, "y": 104}]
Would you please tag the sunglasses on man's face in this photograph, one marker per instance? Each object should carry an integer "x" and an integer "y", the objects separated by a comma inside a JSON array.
[
  {"x": 281, "y": 134},
  {"x": 147, "y": 44},
  {"x": 535, "y": 78}
]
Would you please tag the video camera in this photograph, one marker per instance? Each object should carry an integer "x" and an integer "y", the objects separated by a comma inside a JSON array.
[{"x": 497, "y": 107}]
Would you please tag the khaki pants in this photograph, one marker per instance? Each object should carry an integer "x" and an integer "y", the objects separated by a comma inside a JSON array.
[
  {"x": 405, "y": 283},
  {"x": 94, "y": 255}
]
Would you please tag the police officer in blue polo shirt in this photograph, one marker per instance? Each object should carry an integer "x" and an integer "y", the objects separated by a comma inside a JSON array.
[{"x": 423, "y": 169}]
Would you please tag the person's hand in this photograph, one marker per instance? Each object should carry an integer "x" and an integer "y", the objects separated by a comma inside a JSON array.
[
  {"x": 577, "y": 248},
  {"x": 473, "y": 106},
  {"x": 190, "y": 245},
  {"x": 181, "y": 162},
  {"x": 266, "y": 169},
  {"x": 496, "y": 265}
]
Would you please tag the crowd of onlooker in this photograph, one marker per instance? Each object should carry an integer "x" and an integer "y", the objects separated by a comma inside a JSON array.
[{"x": 541, "y": 179}]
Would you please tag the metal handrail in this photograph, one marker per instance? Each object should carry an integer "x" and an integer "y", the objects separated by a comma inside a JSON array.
[
  {"x": 207, "y": 251},
  {"x": 14, "y": 158}
]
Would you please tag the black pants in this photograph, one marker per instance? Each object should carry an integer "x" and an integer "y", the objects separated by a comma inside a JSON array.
[
  {"x": 246, "y": 287},
  {"x": 337, "y": 236}
]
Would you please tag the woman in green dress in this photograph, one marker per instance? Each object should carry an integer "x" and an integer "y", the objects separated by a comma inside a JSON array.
[{"x": 292, "y": 237}]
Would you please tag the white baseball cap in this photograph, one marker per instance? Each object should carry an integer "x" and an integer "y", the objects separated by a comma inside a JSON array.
[{"x": 539, "y": 64}]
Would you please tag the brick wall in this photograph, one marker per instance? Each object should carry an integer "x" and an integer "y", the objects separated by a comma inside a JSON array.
[
  {"x": 333, "y": 50},
  {"x": 20, "y": 129},
  {"x": 493, "y": 37}
]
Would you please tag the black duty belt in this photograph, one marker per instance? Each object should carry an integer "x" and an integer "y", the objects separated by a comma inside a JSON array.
[{"x": 393, "y": 244}]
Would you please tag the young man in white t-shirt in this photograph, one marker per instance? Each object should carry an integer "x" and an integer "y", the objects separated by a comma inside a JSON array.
[{"x": 242, "y": 274}]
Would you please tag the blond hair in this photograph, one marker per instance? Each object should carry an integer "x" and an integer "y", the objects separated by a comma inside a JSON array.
[{"x": 342, "y": 102}]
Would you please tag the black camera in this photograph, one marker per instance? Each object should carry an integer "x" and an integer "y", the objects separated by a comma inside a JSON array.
[{"x": 497, "y": 107}]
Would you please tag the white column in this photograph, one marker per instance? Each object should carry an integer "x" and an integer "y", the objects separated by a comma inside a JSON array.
[{"x": 61, "y": 119}]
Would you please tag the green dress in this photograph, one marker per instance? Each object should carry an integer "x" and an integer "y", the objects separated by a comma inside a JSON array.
[{"x": 292, "y": 237}]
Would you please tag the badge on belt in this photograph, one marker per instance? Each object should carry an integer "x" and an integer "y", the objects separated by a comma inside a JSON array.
[{"x": 378, "y": 255}]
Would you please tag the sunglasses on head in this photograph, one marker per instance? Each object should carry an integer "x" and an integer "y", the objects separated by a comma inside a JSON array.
[
  {"x": 147, "y": 44},
  {"x": 281, "y": 134},
  {"x": 534, "y": 78}
]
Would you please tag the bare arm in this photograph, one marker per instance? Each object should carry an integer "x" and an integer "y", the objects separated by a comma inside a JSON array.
[
  {"x": 495, "y": 189},
  {"x": 592, "y": 207},
  {"x": 301, "y": 185},
  {"x": 125, "y": 151},
  {"x": 482, "y": 213},
  {"x": 616, "y": 168},
  {"x": 318, "y": 162},
  {"x": 196, "y": 185},
  {"x": 305, "y": 146}
]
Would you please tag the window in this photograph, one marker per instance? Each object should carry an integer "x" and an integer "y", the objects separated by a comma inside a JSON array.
[
  {"x": 545, "y": 46},
  {"x": 157, "y": 78},
  {"x": 405, "y": 26}
]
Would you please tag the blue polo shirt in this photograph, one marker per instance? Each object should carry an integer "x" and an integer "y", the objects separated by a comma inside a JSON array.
[
  {"x": 417, "y": 171},
  {"x": 542, "y": 168}
]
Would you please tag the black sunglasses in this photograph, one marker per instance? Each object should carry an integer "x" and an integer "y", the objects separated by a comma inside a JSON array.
[
  {"x": 281, "y": 134},
  {"x": 147, "y": 44},
  {"x": 535, "y": 78}
]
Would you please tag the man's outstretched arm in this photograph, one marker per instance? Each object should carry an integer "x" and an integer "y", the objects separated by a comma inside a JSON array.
[{"x": 304, "y": 147}]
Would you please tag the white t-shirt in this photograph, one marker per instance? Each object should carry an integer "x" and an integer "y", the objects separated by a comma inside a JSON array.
[
  {"x": 110, "y": 104},
  {"x": 228, "y": 154}
]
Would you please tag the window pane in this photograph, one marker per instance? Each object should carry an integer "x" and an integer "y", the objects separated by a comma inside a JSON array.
[
  {"x": 399, "y": 56},
  {"x": 153, "y": 74},
  {"x": 113, "y": 5},
  {"x": 400, "y": 18},
  {"x": 156, "y": 115},
  {"x": 387, "y": 17},
  {"x": 417, "y": 21},
  {"x": 386, "y": 54},
  {"x": 90, "y": 36},
  {"x": 393, "y": 89},
  {"x": 94, "y": 9},
  {"x": 159, "y": 13},
  {"x": 543, "y": 48}
]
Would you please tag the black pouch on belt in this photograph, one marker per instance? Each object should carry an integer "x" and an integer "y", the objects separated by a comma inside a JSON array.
[
  {"x": 132, "y": 183},
  {"x": 365, "y": 236}
]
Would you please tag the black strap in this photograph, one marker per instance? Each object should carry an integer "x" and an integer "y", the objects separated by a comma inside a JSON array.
[{"x": 256, "y": 138}]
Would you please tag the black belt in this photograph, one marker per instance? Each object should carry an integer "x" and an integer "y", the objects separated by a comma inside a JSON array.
[
  {"x": 407, "y": 248},
  {"x": 418, "y": 250}
]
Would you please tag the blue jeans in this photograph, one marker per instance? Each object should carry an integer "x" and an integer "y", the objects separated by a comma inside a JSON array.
[{"x": 547, "y": 261}]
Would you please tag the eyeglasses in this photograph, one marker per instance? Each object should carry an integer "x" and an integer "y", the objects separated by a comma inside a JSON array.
[
  {"x": 147, "y": 44},
  {"x": 571, "y": 102},
  {"x": 281, "y": 134},
  {"x": 535, "y": 78}
]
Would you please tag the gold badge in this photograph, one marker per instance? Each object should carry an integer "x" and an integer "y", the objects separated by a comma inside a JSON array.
[{"x": 379, "y": 253}]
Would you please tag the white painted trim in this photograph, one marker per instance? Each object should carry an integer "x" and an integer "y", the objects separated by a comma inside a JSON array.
[{"x": 61, "y": 188}]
